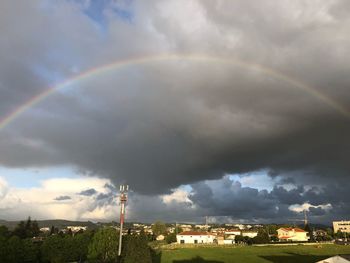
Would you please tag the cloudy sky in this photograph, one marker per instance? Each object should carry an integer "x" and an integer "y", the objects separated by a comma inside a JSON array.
[{"x": 238, "y": 110}]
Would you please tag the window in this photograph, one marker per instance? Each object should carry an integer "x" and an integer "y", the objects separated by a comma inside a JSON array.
[
  {"x": 182, "y": 241},
  {"x": 196, "y": 241}
]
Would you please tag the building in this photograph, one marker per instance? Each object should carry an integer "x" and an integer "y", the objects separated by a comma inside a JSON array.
[
  {"x": 336, "y": 259},
  {"x": 45, "y": 229},
  {"x": 292, "y": 234},
  {"x": 249, "y": 233},
  {"x": 160, "y": 237},
  {"x": 343, "y": 226},
  {"x": 203, "y": 227},
  {"x": 230, "y": 234},
  {"x": 186, "y": 227},
  {"x": 75, "y": 229},
  {"x": 192, "y": 237}
]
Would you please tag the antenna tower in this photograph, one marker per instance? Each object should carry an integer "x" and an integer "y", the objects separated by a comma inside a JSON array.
[{"x": 123, "y": 198}]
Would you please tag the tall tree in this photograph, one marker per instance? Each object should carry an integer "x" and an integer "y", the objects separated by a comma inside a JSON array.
[
  {"x": 20, "y": 230},
  {"x": 35, "y": 228},
  {"x": 15, "y": 250},
  {"x": 104, "y": 245},
  {"x": 137, "y": 250},
  {"x": 158, "y": 228},
  {"x": 262, "y": 237}
]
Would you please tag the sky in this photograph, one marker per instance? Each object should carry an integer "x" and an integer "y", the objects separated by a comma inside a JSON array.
[{"x": 237, "y": 110}]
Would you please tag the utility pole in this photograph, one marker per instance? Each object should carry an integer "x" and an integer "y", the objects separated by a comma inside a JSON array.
[
  {"x": 123, "y": 198},
  {"x": 305, "y": 218}
]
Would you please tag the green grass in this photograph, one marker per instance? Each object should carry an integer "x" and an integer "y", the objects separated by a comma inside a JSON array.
[{"x": 248, "y": 254}]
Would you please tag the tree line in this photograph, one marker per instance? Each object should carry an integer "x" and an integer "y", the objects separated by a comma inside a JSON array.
[{"x": 22, "y": 245}]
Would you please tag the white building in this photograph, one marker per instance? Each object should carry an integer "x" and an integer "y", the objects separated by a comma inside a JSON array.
[
  {"x": 230, "y": 235},
  {"x": 292, "y": 234},
  {"x": 186, "y": 227},
  {"x": 192, "y": 237},
  {"x": 336, "y": 259},
  {"x": 160, "y": 237},
  {"x": 235, "y": 232},
  {"x": 75, "y": 229},
  {"x": 343, "y": 226},
  {"x": 45, "y": 229},
  {"x": 248, "y": 233}
]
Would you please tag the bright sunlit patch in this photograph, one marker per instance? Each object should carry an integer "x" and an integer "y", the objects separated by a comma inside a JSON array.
[
  {"x": 259, "y": 180},
  {"x": 179, "y": 195},
  {"x": 306, "y": 206}
]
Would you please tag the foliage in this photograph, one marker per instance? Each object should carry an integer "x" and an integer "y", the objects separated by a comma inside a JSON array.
[
  {"x": 158, "y": 228},
  {"x": 239, "y": 239},
  {"x": 27, "y": 229},
  {"x": 104, "y": 245},
  {"x": 81, "y": 244},
  {"x": 4, "y": 232},
  {"x": 31, "y": 251},
  {"x": 137, "y": 250},
  {"x": 56, "y": 249},
  {"x": 274, "y": 238},
  {"x": 171, "y": 238},
  {"x": 15, "y": 250},
  {"x": 308, "y": 229},
  {"x": 262, "y": 237}
]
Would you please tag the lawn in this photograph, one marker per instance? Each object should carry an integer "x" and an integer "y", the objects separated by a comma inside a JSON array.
[{"x": 249, "y": 254}]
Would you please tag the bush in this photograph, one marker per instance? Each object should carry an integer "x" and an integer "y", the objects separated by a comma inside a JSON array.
[{"x": 171, "y": 238}]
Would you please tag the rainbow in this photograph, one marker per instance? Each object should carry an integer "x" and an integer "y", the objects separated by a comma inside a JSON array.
[{"x": 94, "y": 72}]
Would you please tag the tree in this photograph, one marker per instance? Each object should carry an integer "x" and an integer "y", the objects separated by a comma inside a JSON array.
[
  {"x": 262, "y": 237},
  {"x": 81, "y": 244},
  {"x": 3, "y": 249},
  {"x": 158, "y": 228},
  {"x": 4, "y": 232},
  {"x": 15, "y": 250},
  {"x": 308, "y": 229},
  {"x": 35, "y": 229},
  {"x": 31, "y": 251},
  {"x": 339, "y": 235},
  {"x": 104, "y": 245},
  {"x": 329, "y": 231},
  {"x": 137, "y": 250},
  {"x": 171, "y": 238},
  {"x": 20, "y": 230},
  {"x": 53, "y": 230},
  {"x": 58, "y": 249},
  {"x": 239, "y": 239},
  {"x": 27, "y": 229}
]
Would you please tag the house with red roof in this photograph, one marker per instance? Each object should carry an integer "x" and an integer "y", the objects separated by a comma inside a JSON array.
[
  {"x": 292, "y": 234},
  {"x": 193, "y": 237}
]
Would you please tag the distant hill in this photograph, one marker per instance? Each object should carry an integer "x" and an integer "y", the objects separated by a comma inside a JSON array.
[{"x": 59, "y": 223}]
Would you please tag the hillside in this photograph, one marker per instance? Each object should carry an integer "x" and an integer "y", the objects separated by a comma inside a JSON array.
[{"x": 59, "y": 223}]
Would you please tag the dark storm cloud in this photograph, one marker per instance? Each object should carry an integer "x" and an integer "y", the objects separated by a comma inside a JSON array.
[
  {"x": 62, "y": 198},
  {"x": 163, "y": 124},
  {"x": 88, "y": 192}
]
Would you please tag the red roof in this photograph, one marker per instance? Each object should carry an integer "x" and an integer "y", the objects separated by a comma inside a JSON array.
[{"x": 194, "y": 233}]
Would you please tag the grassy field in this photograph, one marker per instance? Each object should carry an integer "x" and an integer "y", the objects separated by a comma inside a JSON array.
[{"x": 249, "y": 254}]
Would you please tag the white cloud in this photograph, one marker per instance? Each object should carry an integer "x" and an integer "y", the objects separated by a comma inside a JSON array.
[
  {"x": 39, "y": 202},
  {"x": 306, "y": 206},
  {"x": 3, "y": 187},
  {"x": 179, "y": 195}
]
